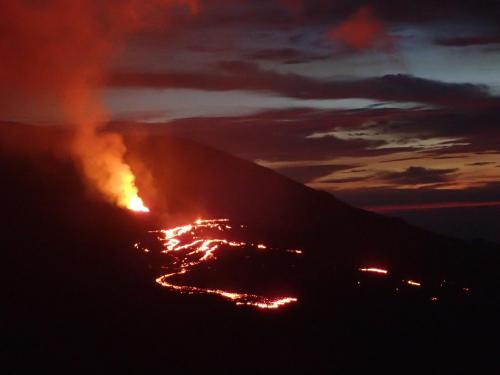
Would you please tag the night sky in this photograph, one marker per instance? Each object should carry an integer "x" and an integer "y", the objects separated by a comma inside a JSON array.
[{"x": 392, "y": 106}]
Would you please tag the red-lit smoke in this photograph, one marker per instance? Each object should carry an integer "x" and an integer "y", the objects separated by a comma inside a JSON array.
[{"x": 55, "y": 54}]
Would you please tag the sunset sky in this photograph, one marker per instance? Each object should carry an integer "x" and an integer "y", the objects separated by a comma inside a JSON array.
[{"x": 389, "y": 105}]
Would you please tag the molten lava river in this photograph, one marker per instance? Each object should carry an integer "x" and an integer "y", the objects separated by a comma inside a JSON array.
[{"x": 214, "y": 257}]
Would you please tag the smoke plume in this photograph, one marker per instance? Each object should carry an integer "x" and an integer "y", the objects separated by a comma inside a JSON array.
[{"x": 56, "y": 54}]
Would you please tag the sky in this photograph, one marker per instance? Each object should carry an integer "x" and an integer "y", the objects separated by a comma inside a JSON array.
[{"x": 391, "y": 106}]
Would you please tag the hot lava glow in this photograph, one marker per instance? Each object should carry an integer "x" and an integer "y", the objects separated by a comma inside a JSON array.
[
  {"x": 136, "y": 204},
  {"x": 374, "y": 270},
  {"x": 101, "y": 157},
  {"x": 413, "y": 283},
  {"x": 188, "y": 248}
]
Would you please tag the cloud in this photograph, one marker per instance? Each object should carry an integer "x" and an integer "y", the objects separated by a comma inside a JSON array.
[
  {"x": 285, "y": 55},
  {"x": 412, "y": 176},
  {"x": 345, "y": 180},
  {"x": 307, "y": 174},
  {"x": 393, "y": 199},
  {"x": 430, "y": 206},
  {"x": 271, "y": 135},
  {"x": 240, "y": 75},
  {"x": 476, "y": 126},
  {"x": 480, "y": 40},
  {"x": 479, "y": 164},
  {"x": 362, "y": 30},
  {"x": 290, "y": 13},
  {"x": 388, "y": 136},
  {"x": 285, "y": 134},
  {"x": 419, "y": 176}
]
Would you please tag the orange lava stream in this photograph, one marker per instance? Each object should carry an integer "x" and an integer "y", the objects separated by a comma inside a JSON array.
[
  {"x": 413, "y": 283},
  {"x": 374, "y": 270},
  {"x": 190, "y": 250}
]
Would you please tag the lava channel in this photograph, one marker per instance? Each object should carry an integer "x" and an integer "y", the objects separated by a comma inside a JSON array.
[{"x": 191, "y": 247}]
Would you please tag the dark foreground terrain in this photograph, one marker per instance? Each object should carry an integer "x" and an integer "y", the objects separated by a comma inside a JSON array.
[{"x": 78, "y": 296}]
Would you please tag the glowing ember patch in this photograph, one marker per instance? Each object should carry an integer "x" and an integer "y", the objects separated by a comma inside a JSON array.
[
  {"x": 413, "y": 283},
  {"x": 374, "y": 270},
  {"x": 189, "y": 248}
]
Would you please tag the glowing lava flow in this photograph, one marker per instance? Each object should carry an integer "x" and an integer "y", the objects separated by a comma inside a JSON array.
[
  {"x": 189, "y": 248},
  {"x": 413, "y": 283},
  {"x": 374, "y": 270}
]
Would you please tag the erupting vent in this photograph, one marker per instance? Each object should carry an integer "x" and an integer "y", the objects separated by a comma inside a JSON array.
[{"x": 136, "y": 204}]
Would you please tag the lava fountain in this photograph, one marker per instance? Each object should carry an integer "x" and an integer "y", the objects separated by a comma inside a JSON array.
[
  {"x": 136, "y": 204},
  {"x": 188, "y": 248}
]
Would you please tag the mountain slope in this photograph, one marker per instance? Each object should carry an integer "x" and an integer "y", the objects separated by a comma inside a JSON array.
[{"x": 77, "y": 294}]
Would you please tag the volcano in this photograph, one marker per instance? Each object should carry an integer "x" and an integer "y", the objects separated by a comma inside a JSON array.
[{"x": 92, "y": 286}]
